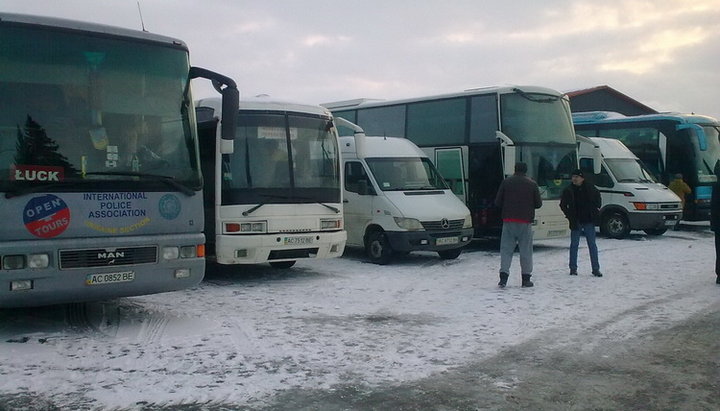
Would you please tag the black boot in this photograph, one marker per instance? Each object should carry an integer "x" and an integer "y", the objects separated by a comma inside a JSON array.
[
  {"x": 503, "y": 280},
  {"x": 526, "y": 280}
]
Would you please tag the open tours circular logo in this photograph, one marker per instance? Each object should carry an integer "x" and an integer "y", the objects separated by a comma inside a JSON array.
[{"x": 46, "y": 216}]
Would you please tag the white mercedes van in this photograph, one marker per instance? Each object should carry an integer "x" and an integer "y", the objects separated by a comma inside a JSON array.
[
  {"x": 631, "y": 197},
  {"x": 395, "y": 201}
]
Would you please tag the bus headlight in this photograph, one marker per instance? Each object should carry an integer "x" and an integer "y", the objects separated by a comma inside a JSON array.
[
  {"x": 468, "y": 221},
  {"x": 410, "y": 224},
  {"x": 254, "y": 227},
  {"x": 38, "y": 261},
  {"x": 188, "y": 251},
  {"x": 171, "y": 253},
  {"x": 334, "y": 224},
  {"x": 13, "y": 262}
]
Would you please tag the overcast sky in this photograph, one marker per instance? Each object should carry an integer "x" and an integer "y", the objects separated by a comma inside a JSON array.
[{"x": 664, "y": 53}]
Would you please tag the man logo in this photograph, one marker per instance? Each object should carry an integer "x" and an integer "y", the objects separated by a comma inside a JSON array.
[
  {"x": 444, "y": 223},
  {"x": 110, "y": 255}
]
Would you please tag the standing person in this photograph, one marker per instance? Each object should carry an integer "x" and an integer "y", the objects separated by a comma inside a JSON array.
[
  {"x": 715, "y": 225},
  {"x": 580, "y": 202},
  {"x": 517, "y": 197},
  {"x": 681, "y": 189}
]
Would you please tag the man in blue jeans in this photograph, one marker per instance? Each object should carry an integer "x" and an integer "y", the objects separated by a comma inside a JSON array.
[{"x": 581, "y": 203}]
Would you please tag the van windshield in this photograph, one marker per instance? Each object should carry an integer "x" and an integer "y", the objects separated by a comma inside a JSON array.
[
  {"x": 629, "y": 170},
  {"x": 406, "y": 173}
]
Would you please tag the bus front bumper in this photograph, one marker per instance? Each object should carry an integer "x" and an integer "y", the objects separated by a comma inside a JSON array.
[{"x": 264, "y": 248}]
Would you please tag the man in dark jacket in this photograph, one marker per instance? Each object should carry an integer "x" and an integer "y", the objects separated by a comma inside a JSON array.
[
  {"x": 715, "y": 225},
  {"x": 518, "y": 197},
  {"x": 580, "y": 202}
]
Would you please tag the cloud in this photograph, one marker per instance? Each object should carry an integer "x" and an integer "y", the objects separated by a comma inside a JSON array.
[{"x": 323, "y": 40}]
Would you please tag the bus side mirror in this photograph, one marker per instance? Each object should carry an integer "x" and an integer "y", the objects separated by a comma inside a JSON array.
[
  {"x": 509, "y": 160},
  {"x": 230, "y": 105}
]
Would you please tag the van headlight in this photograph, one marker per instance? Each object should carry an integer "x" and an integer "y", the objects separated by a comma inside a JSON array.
[
  {"x": 468, "y": 221},
  {"x": 410, "y": 224}
]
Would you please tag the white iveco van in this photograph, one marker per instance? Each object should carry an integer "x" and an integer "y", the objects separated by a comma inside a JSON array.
[
  {"x": 397, "y": 202},
  {"x": 631, "y": 198}
]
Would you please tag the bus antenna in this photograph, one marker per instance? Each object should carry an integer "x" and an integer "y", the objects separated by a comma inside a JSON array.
[{"x": 142, "y": 23}]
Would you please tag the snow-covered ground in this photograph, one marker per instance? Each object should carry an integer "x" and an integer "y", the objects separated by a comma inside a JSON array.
[{"x": 248, "y": 332}]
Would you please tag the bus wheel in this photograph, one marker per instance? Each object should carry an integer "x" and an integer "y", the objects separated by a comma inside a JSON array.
[
  {"x": 378, "y": 248},
  {"x": 615, "y": 225},
  {"x": 282, "y": 264},
  {"x": 450, "y": 254},
  {"x": 655, "y": 231}
]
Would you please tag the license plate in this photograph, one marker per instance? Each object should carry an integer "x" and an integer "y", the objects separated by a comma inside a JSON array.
[
  {"x": 110, "y": 278},
  {"x": 446, "y": 240},
  {"x": 670, "y": 222},
  {"x": 298, "y": 240},
  {"x": 556, "y": 233}
]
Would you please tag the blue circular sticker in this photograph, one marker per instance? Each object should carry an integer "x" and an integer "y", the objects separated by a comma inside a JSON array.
[
  {"x": 169, "y": 206},
  {"x": 46, "y": 216}
]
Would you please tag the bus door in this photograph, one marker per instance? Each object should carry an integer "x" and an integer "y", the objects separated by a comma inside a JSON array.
[{"x": 449, "y": 162}]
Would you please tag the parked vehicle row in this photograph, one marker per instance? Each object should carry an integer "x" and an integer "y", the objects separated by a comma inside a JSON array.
[{"x": 116, "y": 183}]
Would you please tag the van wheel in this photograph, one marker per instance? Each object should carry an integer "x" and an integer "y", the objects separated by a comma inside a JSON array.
[
  {"x": 450, "y": 254},
  {"x": 378, "y": 248},
  {"x": 282, "y": 264},
  {"x": 655, "y": 231},
  {"x": 615, "y": 225}
]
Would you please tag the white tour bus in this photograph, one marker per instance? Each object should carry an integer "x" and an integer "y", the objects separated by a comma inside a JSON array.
[
  {"x": 475, "y": 138},
  {"x": 631, "y": 198},
  {"x": 397, "y": 202},
  {"x": 273, "y": 194}
]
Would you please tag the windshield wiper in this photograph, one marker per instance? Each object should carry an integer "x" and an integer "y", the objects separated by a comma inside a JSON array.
[
  {"x": 250, "y": 210},
  {"x": 171, "y": 181}
]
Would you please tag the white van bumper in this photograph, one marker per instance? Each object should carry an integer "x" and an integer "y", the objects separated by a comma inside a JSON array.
[
  {"x": 404, "y": 241},
  {"x": 645, "y": 220}
]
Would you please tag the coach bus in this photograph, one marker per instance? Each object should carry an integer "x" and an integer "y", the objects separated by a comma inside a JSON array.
[
  {"x": 667, "y": 144},
  {"x": 475, "y": 138},
  {"x": 272, "y": 195},
  {"x": 99, "y": 166}
]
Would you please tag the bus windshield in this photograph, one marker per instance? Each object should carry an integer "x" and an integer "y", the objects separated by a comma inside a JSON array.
[
  {"x": 550, "y": 166},
  {"x": 628, "y": 170},
  {"x": 79, "y": 108},
  {"x": 282, "y": 158},
  {"x": 708, "y": 166},
  {"x": 536, "y": 118},
  {"x": 405, "y": 174}
]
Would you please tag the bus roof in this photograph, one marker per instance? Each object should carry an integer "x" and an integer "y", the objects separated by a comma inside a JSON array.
[
  {"x": 593, "y": 117},
  {"x": 88, "y": 28},
  {"x": 266, "y": 103},
  {"x": 365, "y": 102}
]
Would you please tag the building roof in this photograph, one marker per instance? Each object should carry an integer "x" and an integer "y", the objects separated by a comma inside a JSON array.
[{"x": 601, "y": 94}]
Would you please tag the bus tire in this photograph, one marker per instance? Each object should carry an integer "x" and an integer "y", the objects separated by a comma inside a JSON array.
[
  {"x": 450, "y": 254},
  {"x": 282, "y": 264},
  {"x": 655, "y": 231},
  {"x": 615, "y": 225},
  {"x": 378, "y": 248}
]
